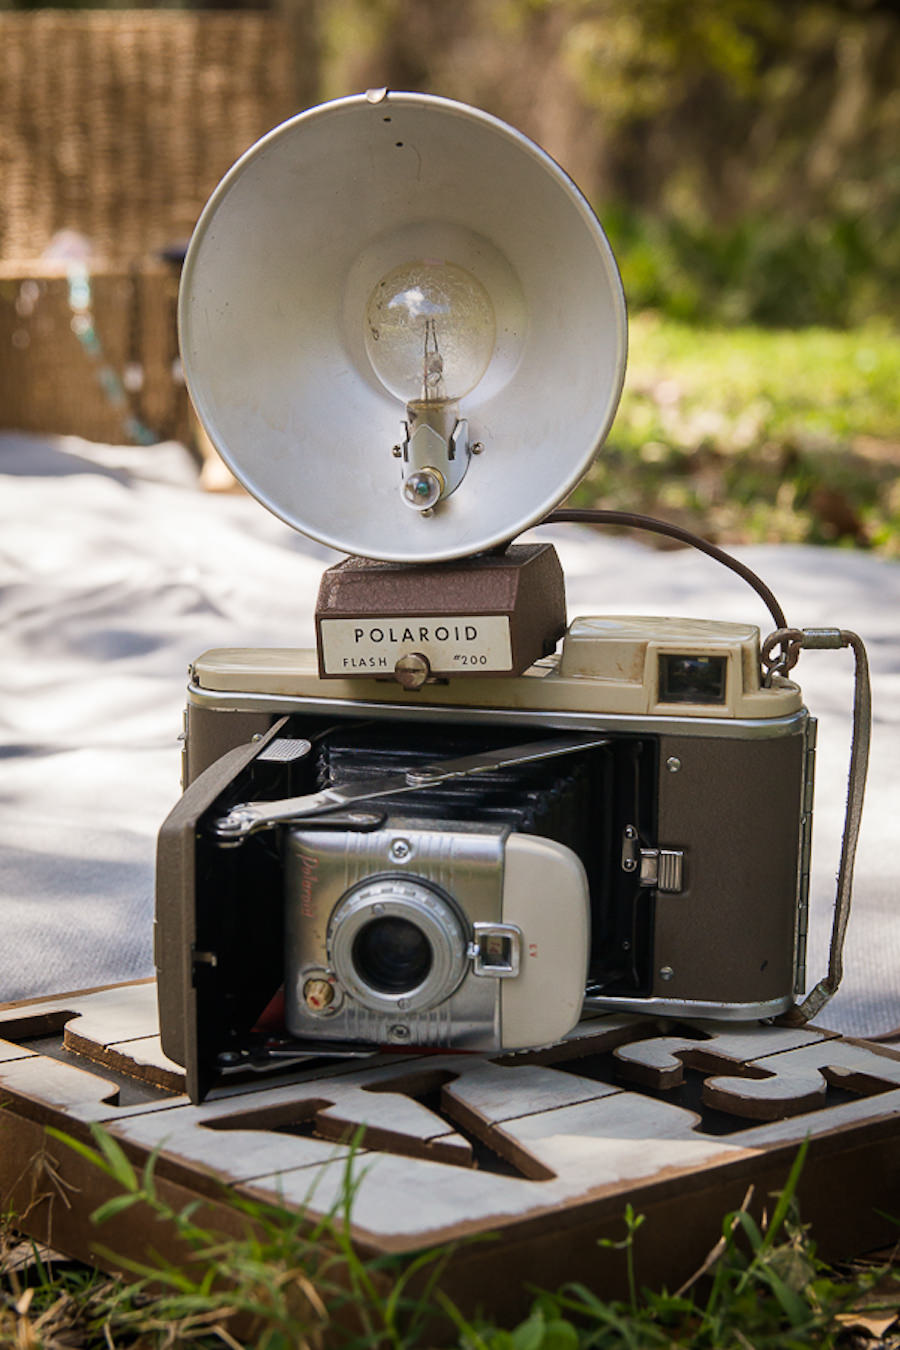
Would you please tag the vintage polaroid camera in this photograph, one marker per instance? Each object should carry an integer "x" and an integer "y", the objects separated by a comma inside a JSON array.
[{"x": 460, "y": 819}]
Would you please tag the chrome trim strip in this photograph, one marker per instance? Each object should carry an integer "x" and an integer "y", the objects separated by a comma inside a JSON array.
[
  {"x": 805, "y": 847},
  {"x": 728, "y": 727},
  {"x": 673, "y": 1007}
]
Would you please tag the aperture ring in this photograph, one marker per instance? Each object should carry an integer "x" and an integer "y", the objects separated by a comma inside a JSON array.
[{"x": 436, "y": 916}]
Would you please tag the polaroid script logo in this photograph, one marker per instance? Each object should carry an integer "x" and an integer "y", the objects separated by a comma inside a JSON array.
[{"x": 309, "y": 875}]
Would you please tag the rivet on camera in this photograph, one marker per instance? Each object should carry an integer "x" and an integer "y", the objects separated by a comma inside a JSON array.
[
  {"x": 228, "y": 1058},
  {"x": 673, "y": 764}
]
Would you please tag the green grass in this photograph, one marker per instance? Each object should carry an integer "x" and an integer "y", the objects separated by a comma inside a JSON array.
[
  {"x": 288, "y": 1284},
  {"x": 752, "y": 434}
]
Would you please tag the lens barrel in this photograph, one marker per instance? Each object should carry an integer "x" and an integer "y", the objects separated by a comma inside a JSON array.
[
  {"x": 392, "y": 955},
  {"x": 398, "y": 944}
]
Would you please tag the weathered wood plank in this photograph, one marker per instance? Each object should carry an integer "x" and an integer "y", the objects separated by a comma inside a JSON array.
[{"x": 545, "y": 1147}]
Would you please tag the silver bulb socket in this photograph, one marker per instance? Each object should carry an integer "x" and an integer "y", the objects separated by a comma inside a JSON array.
[{"x": 435, "y": 453}]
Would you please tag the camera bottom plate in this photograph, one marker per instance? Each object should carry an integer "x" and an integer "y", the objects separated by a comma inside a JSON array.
[{"x": 542, "y": 1149}]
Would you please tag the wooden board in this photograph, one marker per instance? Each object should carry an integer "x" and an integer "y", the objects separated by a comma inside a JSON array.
[{"x": 542, "y": 1149}]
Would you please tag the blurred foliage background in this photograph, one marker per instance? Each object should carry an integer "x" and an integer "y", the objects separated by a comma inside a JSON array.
[
  {"x": 743, "y": 153},
  {"x": 743, "y": 156}
]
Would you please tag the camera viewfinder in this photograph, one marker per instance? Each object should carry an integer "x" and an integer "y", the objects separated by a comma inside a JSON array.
[
  {"x": 496, "y": 949},
  {"x": 687, "y": 678}
]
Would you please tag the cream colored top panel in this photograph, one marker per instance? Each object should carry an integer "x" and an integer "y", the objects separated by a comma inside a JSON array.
[{"x": 607, "y": 666}]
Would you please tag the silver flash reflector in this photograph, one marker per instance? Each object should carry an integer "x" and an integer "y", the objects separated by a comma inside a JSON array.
[{"x": 394, "y": 301}]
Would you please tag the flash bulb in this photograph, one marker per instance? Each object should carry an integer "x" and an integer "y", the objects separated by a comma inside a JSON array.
[
  {"x": 423, "y": 490},
  {"x": 429, "y": 331}
]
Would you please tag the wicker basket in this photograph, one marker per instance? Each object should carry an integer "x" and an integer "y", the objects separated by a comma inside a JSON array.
[
  {"x": 117, "y": 125},
  {"x": 92, "y": 354}
]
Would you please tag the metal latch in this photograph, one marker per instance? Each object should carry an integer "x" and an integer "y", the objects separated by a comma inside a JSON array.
[{"x": 661, "y": 868}]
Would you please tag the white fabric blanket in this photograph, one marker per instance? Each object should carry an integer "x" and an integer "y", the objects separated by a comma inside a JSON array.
[{"x": 116, "y": 571}]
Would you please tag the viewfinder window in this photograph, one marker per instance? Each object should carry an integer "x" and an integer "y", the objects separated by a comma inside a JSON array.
[
  {"x": 496, "y": 952},
  {"x": 691, "y": 678}
]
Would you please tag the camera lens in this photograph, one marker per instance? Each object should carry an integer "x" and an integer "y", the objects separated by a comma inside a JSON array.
[
  {"x": 392, "y": 955},
  {"x": 397, "y": 944}
]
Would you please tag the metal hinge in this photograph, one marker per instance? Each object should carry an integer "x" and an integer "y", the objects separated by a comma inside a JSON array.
[{"x": 661, "y": 868}]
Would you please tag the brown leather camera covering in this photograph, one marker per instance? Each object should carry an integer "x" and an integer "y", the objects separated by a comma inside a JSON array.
[
  {"x": 212, "y": 731},
  {"x": 734, "y": 807},
  {"x": 174, "y": 930},
  {"x": 525, "y": 581}
]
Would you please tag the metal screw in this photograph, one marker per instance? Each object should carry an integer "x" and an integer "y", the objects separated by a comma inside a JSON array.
[
  {"x": 628, "y": 864},
  {"x": 400, "y": 850},
  {"x": 666, "y": 972},
  {"x": 397, "y": 452},
  {"x": 398, "y": 1033},
  {"x": 403, "y": 1004},
  {"x": 477, "y": 447},
  {"x": 378, "y": 909},
  {"x": 626, "y": 946},
  {"x": 673, "y": 764}
]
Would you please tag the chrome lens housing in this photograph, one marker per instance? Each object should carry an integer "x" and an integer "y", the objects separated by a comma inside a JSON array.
[{"x": 398, "y": 944}]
